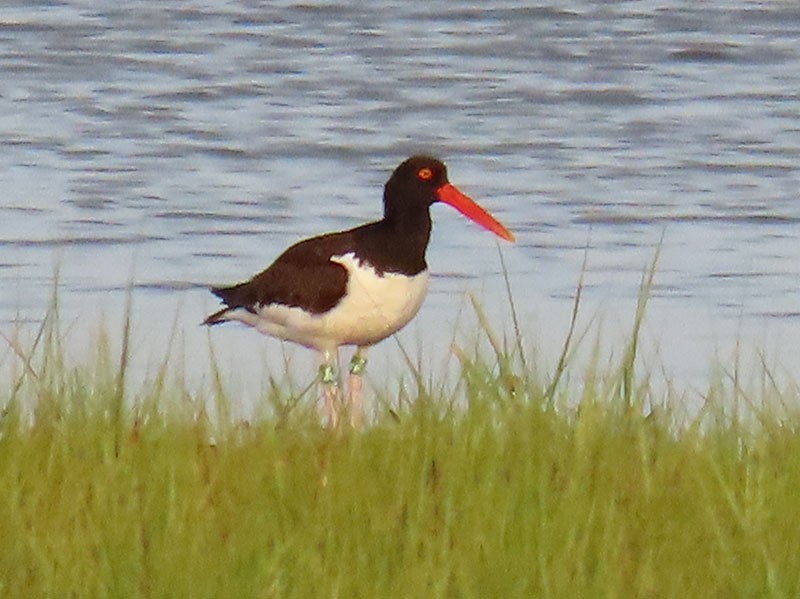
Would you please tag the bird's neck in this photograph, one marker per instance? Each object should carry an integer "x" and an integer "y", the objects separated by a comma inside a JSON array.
[
  {"x": 408, "y": 227},
  {"x": 406, "y": 222},
  {"x": 398, "y": 243},
  {"x": 405, "y": 213}
]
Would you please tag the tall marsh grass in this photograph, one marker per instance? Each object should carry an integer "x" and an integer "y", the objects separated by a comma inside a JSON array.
[{"x": 510, "y": 485}]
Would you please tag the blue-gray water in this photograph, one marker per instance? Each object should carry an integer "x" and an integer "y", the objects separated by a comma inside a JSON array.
[{"x": 176, "y": 144}]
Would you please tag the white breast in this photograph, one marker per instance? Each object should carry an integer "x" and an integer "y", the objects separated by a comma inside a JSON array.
[{"x": 374, "y": 307}]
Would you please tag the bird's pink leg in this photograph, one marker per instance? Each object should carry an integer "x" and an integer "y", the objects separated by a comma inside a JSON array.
[
  {"x": 329, "y": 388},
  {"x": 355, "y": 407}
]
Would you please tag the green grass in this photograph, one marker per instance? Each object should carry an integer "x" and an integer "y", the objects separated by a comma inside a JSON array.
[{"x": 509, "y": 485}]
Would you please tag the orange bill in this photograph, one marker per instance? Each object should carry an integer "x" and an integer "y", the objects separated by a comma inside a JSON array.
[{"x": 449, "y": 194}]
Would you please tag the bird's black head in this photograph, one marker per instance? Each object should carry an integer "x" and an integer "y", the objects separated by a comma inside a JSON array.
[
  {"x": 414, "y": 183},
  {"x": 419, "y": 182}
]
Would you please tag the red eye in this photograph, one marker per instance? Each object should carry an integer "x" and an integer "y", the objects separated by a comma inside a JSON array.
[{"x": 425, "y": 174}]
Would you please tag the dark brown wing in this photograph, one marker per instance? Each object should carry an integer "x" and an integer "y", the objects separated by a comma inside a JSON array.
[{"x": 303, "y": 276}]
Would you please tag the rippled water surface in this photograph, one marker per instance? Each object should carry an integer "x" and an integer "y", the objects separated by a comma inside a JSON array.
[{"x": 175, "y": 144}]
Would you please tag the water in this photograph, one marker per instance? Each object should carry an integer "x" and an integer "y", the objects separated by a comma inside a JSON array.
[{"x": 170, "y": 145}]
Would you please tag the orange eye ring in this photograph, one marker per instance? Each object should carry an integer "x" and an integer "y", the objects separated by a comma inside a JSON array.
[{"x": 425, "y": 174}]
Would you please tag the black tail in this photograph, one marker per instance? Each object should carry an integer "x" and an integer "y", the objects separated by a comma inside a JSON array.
[
  {"x": 235, "y": 296},
  {"x": 216, "y": 317}
]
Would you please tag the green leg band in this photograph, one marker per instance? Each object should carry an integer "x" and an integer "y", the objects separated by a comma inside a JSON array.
[
  {"x": 327, "y": 375},
  {"x": 358, "y": 364}
]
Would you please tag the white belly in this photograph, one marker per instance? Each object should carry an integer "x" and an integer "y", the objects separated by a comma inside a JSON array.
[{"x": 374, "y": 307}]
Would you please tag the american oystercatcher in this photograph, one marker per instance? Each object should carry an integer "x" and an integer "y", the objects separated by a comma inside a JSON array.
[{"x": 354, "y": 287}]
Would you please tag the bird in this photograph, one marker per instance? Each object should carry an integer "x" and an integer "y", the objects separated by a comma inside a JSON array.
[{"x": 354, "y": 287}]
